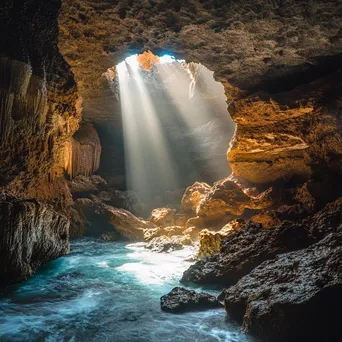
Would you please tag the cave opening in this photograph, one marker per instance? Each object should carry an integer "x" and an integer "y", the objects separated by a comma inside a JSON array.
[{"x": 176, "y": 128}]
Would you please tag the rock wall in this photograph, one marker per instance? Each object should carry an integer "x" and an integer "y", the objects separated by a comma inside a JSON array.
[
  {"x": 31, "y": 234},
  {"x": 39, "y": 112},
  {"x": 40, "y": 107}
]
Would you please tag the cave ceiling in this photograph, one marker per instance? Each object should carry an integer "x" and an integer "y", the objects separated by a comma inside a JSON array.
[{"x": 279, "y": 62}]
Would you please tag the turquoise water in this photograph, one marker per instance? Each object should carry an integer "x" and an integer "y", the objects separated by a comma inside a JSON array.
[{"x": 107, "y": 292}]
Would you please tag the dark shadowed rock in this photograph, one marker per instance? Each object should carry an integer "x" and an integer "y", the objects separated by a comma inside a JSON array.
[
  {"x": 31, "y": 234},
  {"x": 110, "y": 236},
  {"x": 295, "y": 297},
  {"x": 182, "y": 300},
  {"x": 246, "y": 249}
]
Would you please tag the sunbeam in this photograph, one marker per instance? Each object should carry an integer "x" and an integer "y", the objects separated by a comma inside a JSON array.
[{"x": 174, "y": 121}]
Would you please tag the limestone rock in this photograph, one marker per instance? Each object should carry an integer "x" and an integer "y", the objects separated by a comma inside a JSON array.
[
  {"x": 84, "y": 186},
  {"x": 246, "y": 249},
  {"x": 168, "y": 244},
  {"x": 193, "y": 196},
  {"x": 182, "y": 300},
  {"x": 163, "y": 217},
  {"x": 31, "y": 234},
  {"x": 210, "y": 241},
  {"x": 126, "y": 224},
  {"x": 268, "y": 219},
  {"x": 100, "y": 218},
  {"x": 227, "y": 200},
  {"x": 327, "y": 220},
  {"x": 84, "y": 157},
  {"x": 295, "y": 294}
]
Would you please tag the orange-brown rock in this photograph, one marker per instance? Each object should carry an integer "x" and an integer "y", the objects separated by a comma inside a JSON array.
[
  {"x": 268, "y": 219},
  {"x": 227, "y": 200},
  {"x": 193, "y": 196},
  {"x": 163, "y": 217},
  {"x": 210, "y": 241},
  {"x": 151, "y": 233},
  {"x": 83, "y": 158},
  {"x": 126, "y": 224},
  {"x": 303, "y": 196}
]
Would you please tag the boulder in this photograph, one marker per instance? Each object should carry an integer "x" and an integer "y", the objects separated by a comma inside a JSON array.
[
  {"x": 163, "y": 217},
  {"x": 182, "y": 300},
  {"x": 168, "y": 244},
  {"x": 128, "y": 200},
  {"x": 295, "y": 296},
  {"x": 193, "y": 196},
  {"x": 100, "y": 218},
  {"x": 227, "y": 200},
  {"x": 210, "y": 241},
  {"x": 246, "y": 249},
  {"x": 126, "y": 224},
  {"x": 109, "y": 236},
  {"x": 31, "y": 234},
  {"x": 83, "y": 186}
]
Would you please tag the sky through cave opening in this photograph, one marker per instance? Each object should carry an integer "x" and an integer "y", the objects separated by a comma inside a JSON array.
[{"x": 176, "y": 126}]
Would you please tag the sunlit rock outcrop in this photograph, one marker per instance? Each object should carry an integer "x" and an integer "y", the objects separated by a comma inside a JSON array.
[
  {"x": 169, "y": 243},
  {"x": 193, "y": 197},
  {"x": 31, "y": 234},
  {"x": 210, "y": 241},
  {"x": 163, "y": 217}
]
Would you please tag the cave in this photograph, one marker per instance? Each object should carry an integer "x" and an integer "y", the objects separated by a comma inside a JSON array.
[{"x": 170, "y": 170}]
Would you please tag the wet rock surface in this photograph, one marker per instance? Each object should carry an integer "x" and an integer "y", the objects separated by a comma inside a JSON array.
[
  {"x": 297, "y": 295},
  {"x": 31, "y": 234},
  {"x": 246, "y": 249},
  {"x": 181, "y": 300},
  {"x": 168, "y": 244}
]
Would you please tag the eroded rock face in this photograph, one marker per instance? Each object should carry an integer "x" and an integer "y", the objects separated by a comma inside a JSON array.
[
  {"x": 193, "y": 197},
  {"x": 163, "y": 217},
  {"x": 227, "y": 200},
  {"x": 210, "y": 241},
  {"x": 40, "y": 107},
  {"x": 169, "y": 243},
  {"x": 246, "y": 249},
  {"x": 31, "y": 234},
  {"x": 296, "y": 294},
  {"x": 182, "y": 300}
]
